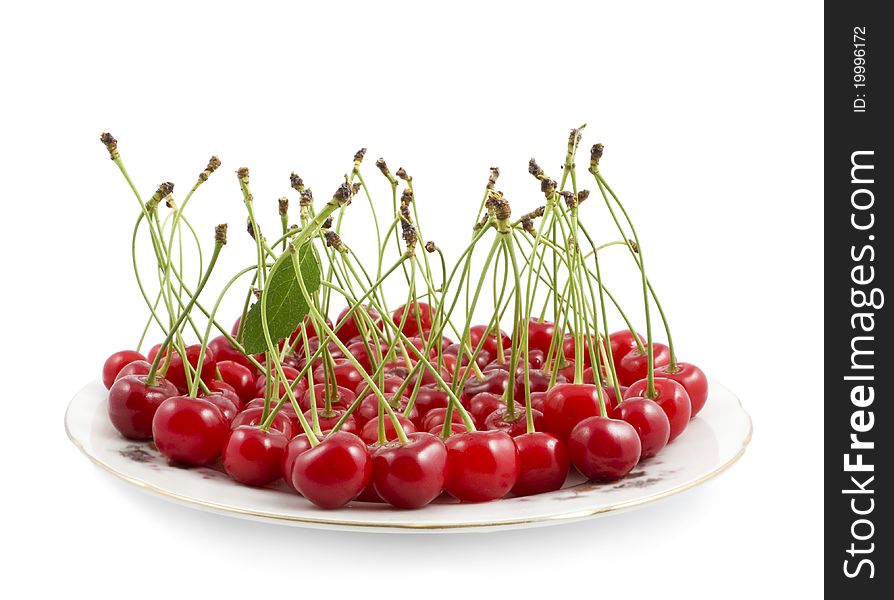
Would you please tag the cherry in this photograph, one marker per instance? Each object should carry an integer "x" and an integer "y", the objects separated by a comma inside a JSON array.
[
  {"x": 648, "y": 419},
  {"x": 437, "y": 416},
  {"x": 349, "y": 329},
  {"x": 568, "y": 349},
  {"x": 536, "y": 358},
  {"x": 362, "y": 355},
  {"x": 132, "y": 404},
  {"x": 567, "y": 404},
  {"x": 693, "y": 381},
  {"x": 252, "y": 416},
  {"x": 481, "y": 465},
  {"x": 221, "y": 387},
  {"x": 370, "y": 431},
  {"x": 225, "y": 405},
  {"x": 540, "y": 335},
  {"x": 295, "y": 447},
  {"x": 671, "y": 397},
  {"x": 611, "y": 397},
  {"x": 604, "y": 449},
  {"x": 334, "y": 472},
  {"x": 137, "y": 367},
  {"x": 369, "y": 408},
  {"x": 115, "y": 363},
  {"x": 455, "y": 428},
  {"x": 420, "y": 314},
  {"x": 341, "y": 396},
  {"x": 482, "y": 359},
  {"x": 410, "y": 475},
  {"x": 311, "y": 331},
  {"x": 328, "y": 421},
  {"x": 346, "y": 374},
  {"x": 189, "y": 430},
  {"x": 299, "y": 386},
  {"x": 495, "y": 382},
  {"x": 622, "y": 342},
  {"x": 490, "y": 345},
  {"x": 539, "y": 382},
  {"x": 537, "y": 401},
  {"x": 634, "y": 365},
  {"x": 499, "y": 420},
  {"x": 253, "y": 456},
  {"x": 481, "y": 405},
  {"x": 240, "y": 377},
  {"x": 392, "y": 383},
  {"x": 224, "y": 351},
  {"x": 543, "y": 463},
  {"x": 428, "y": 398},
  {"x": 176, "y": 373}
]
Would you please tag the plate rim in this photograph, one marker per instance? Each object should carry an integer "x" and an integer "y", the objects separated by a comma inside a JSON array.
[{"x": 415, "y": 526}]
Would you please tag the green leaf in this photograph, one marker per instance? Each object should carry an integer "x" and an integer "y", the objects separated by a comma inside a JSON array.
[{"x": 286, "y": 306}]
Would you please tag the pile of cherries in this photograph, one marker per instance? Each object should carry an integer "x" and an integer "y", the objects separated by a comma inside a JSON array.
[
  {"x": 381, "y": 405},
  {"x": 497, "y": 459}
]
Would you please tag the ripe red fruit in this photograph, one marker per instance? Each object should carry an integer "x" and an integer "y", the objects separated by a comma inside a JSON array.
[
  {"x": 189, "y": 430},
  {"x": 137, "y": 367},
  {"x": 348, "y": 328},
  {"x": 481, "y": 465},
  {"x": 225, "y": 405},
  {"x": 437, "y": 416},
  {"x": 604, "y": 449},
  {"x": 299, "y": 386},
  {"x": 334, "y": 472},
  {"x": 224, "y": 350},
  {"x": 481, "y": 405},
  {"x": 495, "y": 382},
  {"x": 651, "y": 423},
  {"x": 499, "y": 420},
  {"x": 634, "y": 365},
  {"x": 621, "y": 343},
  {"x": 252, "y": 416},
  {"x": 543, "y": 463},
  {"x": 370, "y": 431},
  {"x": 293, "y": 449},
  {"x": 369, "y": 408},
  {"x": 238, "y": 376},
  {"x": 567, "y": 404},
  {"x": 346, "y": 375},
  {"x": 671, "y": 397},
  {"x": 341, "y": 396},
  {"x": 115, "y": 363},
  {"x": 693, "y": 381},
  {"x": 490, "y": 345},
  {"x": 132, "y": 404},
  {"x": 253, "y": 456},
  {"x": 429, "y": 398},
  {"x": 328, "y": 421},
  {"x": 418, "y": 320},
  {"x": 410, "y": 475},
  {"x": 540, "y": 335}
]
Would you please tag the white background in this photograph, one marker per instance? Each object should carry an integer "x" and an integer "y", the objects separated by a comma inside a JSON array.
[{"x": 712, "y": 120}]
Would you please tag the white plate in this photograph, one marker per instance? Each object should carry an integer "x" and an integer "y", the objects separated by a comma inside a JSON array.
[{"x": 713, "y": 441}]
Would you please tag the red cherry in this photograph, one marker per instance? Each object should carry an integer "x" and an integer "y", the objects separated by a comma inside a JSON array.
[
  {"x": 328, "y": 421},
  {"x": 538, "y": 382},
  {"x": 481, "y": 405},
  {"x": 671, "y": 397},
  {"x": 293, "y": 449},
  {"x": 137, "y": 367},
  {"x": 437, "y": 416},
  {"x": 651, "y": 424},
  {"x": 115, "y": 363},
  {"x": 238, "y": 376},
  {"x": 225, "y": 405},
  {"x": 568, "y": 349},
  {"x": 543, "y": 463},
  {"x": 634, "y": 365},
  {"x": 370, "y": 432},
  {"x": 299, "y": 386},
  {"x": 418, "y": 320},
  {"x": 365, "y": 354},
  {"x": 481, "y": 465},
  {"x": 176, "y": 373},
  {"x": 391, "y": 385},
  {"x": 621, "y": 343},
  {"x": 253, "y": 456},
  {"x": 334, "y": 472},
  {"x": 311, "y": 331},
  {"x": 220, "y": 387},
  {"x": 348, "y": 328},
  {"x": 224, "y": 351},
  {"x": 540, "y": 335},
  {"x": 346, "y": 375},
  {"x": 369, "y": 408},
  {"x": 455, "y": 428},
  {"x": 476, "y": 332},
  {"x": 410, "y": 475},
  {"x": 495, "y": 382},
  {"x": 604, "y": 449},
  {"x": 567, "y": 404},
  {"x": 499, "y": 420},
  {"x": 611, "y": 398},
  {"x": 428, "y": 398},
  {"x": 189, "y": 430},
  {"x": 132, "y": 404},
  {"x": 692, "y": 379},
  {"x": 252, "y": 416},
  {"x": 537, "y": 401},
  {"x": 341, "y": 396}
]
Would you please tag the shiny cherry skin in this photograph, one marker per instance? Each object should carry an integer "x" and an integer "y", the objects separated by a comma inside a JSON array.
[
  {"x": 370, "y": 431},
  {"x": 567, "y": 404},
  {"x": 225, "y": 405},
  {"x": 365, "y": 354},
  {"x": 391, "y": 385},
  {"x": 540, "y": 335},
  {"x": 481, "y": 465},
  {"x": 499, "y": 420},
  {"x": 132, "y": 404},
  {"x": 189, "y": 431},
  {"x": 491, "y": 344},
  {"x": 481, "y": 405},
  {"x": 334, "y": 472},
  {"x": 455, "y": 428},
  {"x": 328, "y": 421},
  {"x": 420, "y": 314},
  {"x": 428, "y": 398},
  {"x": 221, "y": 387},
  {"x": 410, "y": 475},
  {"x": 240, "y": 377},
  {"x": 253, "y": 456},
  {"x": 293, "y": 449},
  {"x": 437, "y": 416},
  {"x": 543, "y": 463},
  {"x": 569, "y": 349},
  {"x": 634, "y": 365},
  {"x": 604, "y": 449},
  {"x": 651, "y": 423},
  {"x": 538, "y": 382},
  {"x": 346, "y": 375},
  {"x": 622, "y": 342},
  {"x": 176, "y": 373},
  {"x": 342, "y": 397},
  {"x": 693, "y": 381},
  {"x": 537, "y": 401},
  {"x": 137, "y": 367},
  {"x": 495, "y": 381},
  {"x": 347, "y": 325},
  {"x": 671, "y": 397},
  {"x": 369, "y": 408},
  {"x": 115, "y": 363},
  {"x": 252, "y": 416},
  {"x": 224, "y": 350},
  {"x": 299, "y": 386}
]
